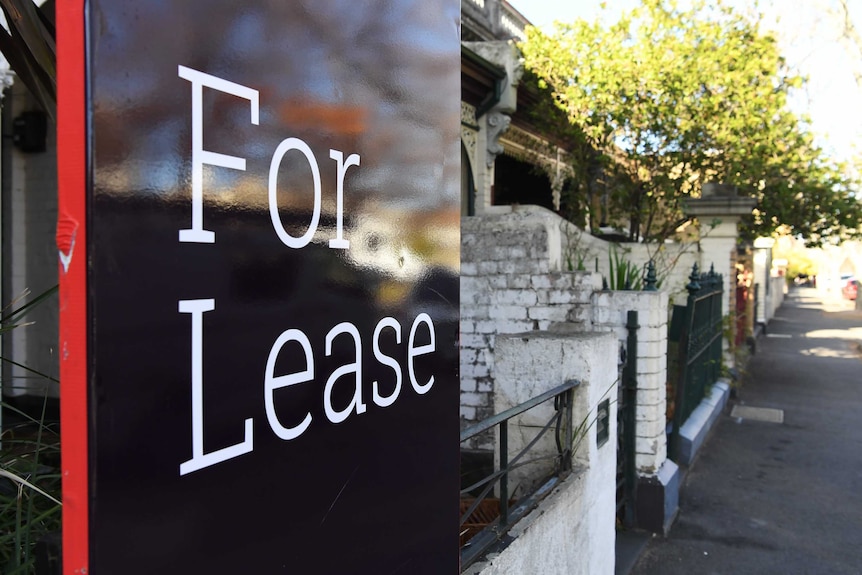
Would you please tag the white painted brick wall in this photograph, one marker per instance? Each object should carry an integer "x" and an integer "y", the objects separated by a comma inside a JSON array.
[
  {"x": 572, "y": 532},
  {"x": 610, "y": 313},
  {"x": 649, "y": 396},
  {"x": 511, "y": 283}
]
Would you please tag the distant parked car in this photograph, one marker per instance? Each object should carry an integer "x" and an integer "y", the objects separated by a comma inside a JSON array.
[{"x": 850, "y": 289}]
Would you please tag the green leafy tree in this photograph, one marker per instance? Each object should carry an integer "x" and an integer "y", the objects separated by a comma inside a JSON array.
[{"x": 674, "y": 98}]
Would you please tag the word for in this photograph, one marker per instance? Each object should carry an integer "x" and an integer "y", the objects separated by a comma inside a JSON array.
[{"x": 197, "y": 233}]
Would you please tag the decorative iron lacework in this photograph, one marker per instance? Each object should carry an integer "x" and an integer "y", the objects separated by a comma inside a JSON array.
[
  {"x": 468, "y": 116},
  {"x": 526, "y": 147},
  {"x": 469, "y": 138},
  {"x": 469, "y": 130}
]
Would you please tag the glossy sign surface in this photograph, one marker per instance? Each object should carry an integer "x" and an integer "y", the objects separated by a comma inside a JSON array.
[{"x": 273, "y": 279}]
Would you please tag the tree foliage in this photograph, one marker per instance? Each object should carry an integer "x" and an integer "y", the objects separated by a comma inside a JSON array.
[{"x": 673, "y": 98}]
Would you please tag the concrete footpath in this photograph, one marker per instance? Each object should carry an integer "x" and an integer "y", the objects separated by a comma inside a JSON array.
[{"x": 784, "y": 497}]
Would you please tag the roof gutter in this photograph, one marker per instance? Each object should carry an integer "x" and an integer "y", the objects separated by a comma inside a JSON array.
[{"x": 498, "y": 73}]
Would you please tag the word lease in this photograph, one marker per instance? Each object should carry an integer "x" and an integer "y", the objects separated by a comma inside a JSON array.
[{"x": 286, "y": 431}]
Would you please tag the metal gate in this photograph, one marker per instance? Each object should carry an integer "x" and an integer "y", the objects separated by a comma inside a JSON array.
[
  {"x": 699, "y": 355},
  {"x": 626, "y": 421}
]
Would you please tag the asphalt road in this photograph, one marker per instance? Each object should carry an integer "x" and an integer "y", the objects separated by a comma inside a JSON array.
[{"x": 782, "y": 498}]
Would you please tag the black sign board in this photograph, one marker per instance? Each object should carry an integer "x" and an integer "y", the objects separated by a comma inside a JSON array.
[{"x": 260, "y": 270}]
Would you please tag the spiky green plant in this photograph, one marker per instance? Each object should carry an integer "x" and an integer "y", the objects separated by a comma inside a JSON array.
[
  {"x": 30, "y": 482},
  {"x": 624, "y": 275}
]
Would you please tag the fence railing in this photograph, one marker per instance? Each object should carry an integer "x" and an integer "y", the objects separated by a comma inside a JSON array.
[
  {"x": 699, "y": 350},
  {"x": 509, "y": 512},
  {"x": 626, "y": 425},
  {"x": 498, "y": 17}
]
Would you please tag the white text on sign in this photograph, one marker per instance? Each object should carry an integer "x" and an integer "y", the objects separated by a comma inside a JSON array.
[{"x": 348, "y": 374}]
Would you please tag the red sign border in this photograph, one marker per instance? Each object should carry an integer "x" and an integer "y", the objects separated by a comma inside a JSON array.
[{"x": 72, "y": 243}]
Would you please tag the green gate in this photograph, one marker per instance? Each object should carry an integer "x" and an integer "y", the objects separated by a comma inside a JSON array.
[{"x": 697, "y": 327}]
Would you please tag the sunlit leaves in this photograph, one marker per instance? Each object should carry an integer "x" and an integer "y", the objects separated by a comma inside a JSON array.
[{"x": 680, "y": 97}]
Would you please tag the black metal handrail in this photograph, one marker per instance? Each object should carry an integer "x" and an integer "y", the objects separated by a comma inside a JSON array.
[{"x": 562, "y": 421}]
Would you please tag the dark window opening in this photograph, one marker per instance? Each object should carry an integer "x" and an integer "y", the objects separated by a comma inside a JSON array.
[{"x": 518, "y": 182}]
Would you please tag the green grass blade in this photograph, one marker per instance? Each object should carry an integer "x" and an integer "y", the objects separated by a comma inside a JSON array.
[
  {"x": 30, "y": 369},
  {"x": 30, "y": 304},
  {"x": 24, "y": 483}
]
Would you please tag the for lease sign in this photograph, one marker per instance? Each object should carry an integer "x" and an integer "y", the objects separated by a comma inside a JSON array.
[{"x": 264, "y": 244}]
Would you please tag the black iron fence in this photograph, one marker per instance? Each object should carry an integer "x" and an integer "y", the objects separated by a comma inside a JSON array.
[
  {"x": 697, "y": 327},
  {"x": 626, "y": 425},
  {"x": 486, "y": 518}
]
